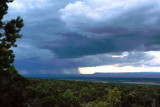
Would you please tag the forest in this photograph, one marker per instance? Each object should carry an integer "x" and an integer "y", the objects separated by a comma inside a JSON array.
[{"x": 29, "y": 92}]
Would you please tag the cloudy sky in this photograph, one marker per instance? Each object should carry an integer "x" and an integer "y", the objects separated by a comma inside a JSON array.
[{"x": 87, "y": 36}]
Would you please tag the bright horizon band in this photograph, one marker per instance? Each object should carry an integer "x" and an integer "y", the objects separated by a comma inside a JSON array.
[{"x": 116, "y": 69}]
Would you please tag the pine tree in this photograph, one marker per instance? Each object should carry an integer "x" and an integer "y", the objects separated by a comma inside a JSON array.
[
  {"x": 9, "y": 33},
  {"x": 12, "y": 84}
]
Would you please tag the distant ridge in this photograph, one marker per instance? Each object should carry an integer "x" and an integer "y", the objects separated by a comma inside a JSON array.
[
  {"x": 127, "y": 74},
  {"x": 130, "y": 74}
]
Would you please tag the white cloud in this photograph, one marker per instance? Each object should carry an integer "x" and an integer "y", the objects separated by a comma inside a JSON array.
[
  {"x": 156, "y": 58},
  {"x": 144, "y": 61},
  {"x": 79, "y": 6},
  {"x": 22, "y": 5},
  {"x": 119, "y": 13},
  {"x": 124, "y": 54}
]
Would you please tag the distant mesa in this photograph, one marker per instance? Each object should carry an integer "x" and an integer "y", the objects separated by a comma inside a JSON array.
[{"x": 130, "y": 74}]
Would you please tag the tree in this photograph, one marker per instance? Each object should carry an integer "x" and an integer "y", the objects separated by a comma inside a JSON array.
[
  {"x": 12, "y": 84},
  {"x": 114, "y": 98},
  {"x": 9, "y": 33},
  {"x": 68, "y": 99}
]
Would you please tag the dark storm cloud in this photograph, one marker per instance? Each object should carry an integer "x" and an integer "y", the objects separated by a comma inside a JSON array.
[
  {"x": 57, "y": 38},
  {"x": 125, "y": 26},
  {"x": 45, "y": 30},
  {"x": 76, "y": 45},
  {"x": 56, "y": 66}
]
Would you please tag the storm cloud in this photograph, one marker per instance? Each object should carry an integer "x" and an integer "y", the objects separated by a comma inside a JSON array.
[{"x": 61, "y": 36}]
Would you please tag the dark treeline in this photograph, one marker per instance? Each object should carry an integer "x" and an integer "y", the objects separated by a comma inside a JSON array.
[{"x": 64, "y": 93}]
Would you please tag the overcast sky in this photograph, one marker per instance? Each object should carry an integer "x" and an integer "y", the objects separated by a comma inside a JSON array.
[{"x": 71, "y": 36}]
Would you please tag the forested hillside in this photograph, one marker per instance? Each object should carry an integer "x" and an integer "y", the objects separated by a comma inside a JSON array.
[{"x": 65, "y": 93}]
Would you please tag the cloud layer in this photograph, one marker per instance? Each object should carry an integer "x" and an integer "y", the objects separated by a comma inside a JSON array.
[
  {"x": 127, "y": 14},
  {"x": 61, "y": 36}
]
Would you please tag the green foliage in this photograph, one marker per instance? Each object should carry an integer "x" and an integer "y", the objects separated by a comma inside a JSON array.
[
  {"x": 114, "y": 98},
  {"x": 96, "y": 104},
  {"x": 84, "y": 96},
  {"x": 63, "y": 93},
  {"x": 12, "y": 84},
  {"x": 12, "y": 88},
  {"x": 9, "y": 33},
  {"x": 69, "y": 99}
]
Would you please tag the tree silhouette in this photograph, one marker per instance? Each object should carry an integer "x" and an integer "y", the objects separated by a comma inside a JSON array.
[
  {"x": 9, "y": 33},
  {"x": 12, "y": 84}
]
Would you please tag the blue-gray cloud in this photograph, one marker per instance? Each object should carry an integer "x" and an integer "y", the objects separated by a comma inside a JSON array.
[
  {"x": 76, "y": 45},
  {"x": 61, "y": 35}
]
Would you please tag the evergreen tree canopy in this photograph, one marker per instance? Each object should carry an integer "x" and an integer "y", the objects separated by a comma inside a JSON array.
[{"x": 9, "y": 33}]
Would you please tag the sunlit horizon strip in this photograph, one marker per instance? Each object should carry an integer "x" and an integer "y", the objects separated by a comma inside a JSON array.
[{"x": 116, "y": 69}]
